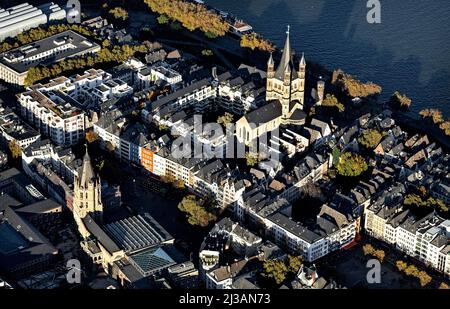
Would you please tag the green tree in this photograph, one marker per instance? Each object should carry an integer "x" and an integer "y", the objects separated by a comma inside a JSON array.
[
  {"x": 15, "y": 149},
  {"x": 251, "y": 159},
  {"x": 331, "y": 101},
  {"x": 175, "y": 26},
  {"x": 351, "y": 165},
  {"x": 162, "y": 19},
  {"x": 401, "y": 266},
  {"x": 430, "y": 202},
  {"x": 195, "y": 211},
  {"x": 275, "y": 270},
  {"x": 336, "y": 155},
  {"x": 370, "y": 138},
  {"x": 225, "y": 119},
  {"x": 210, "y": 35},
  {"x": 207, "y": 52},
  {"x": 119, "y": 13},
  {"x": 294, "y": 263}
]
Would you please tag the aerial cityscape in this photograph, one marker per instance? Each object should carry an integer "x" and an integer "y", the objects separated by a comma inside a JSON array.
[{"x": 167, "y": 144}]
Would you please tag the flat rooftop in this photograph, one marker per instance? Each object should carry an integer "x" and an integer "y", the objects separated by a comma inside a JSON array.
[{"x": 47, "y": 51}]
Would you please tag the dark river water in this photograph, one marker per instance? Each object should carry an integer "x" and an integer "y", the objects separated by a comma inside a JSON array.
[{"x": 409, "y": 51}]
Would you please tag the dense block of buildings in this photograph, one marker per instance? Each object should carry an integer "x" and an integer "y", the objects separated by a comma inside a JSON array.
[{"x": 15, "y": 63}]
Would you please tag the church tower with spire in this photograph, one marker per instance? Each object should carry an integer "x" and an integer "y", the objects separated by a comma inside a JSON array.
[
  {"x": 87, "y": 192},
  {"x": 285, "y": 83}
]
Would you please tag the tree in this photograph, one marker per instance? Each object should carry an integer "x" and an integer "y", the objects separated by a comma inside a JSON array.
[
  {"x": 91, "y": 136},
  {"x": 254, "y": 41},
  {"x": 399, "y": 100},
  {"x": 101, "y": 164},
  {"x": 401, "y": 266},
  {"x": 225, "y": 119},
  {"x": 368, "y": 249},
  {"x": 278, "y": 270},
  {"x": 162, "y": 19},
  {"x": 430, "y": 202},
  {"x": 412, "y": 271},
  {"x": 191, "y": 15},
  {"x": 275, "y": 270},
  {"x": 294, "y": 263},
  {"x": 370, "y": 138},
  {"x": 379, "y": 254},
  {"x": 353, "y": 87},
  {"x": 195, "y": 211},
  {"x": 434, "y": 114},
  {"x": 207, "y": 53},
  {"x": 424, "y": 278},
  {"x": 175, "y": 26},
  {"x": 331, "y": 101},
  {"x": 336, "y": 155},
  {"x": 115, "y": 54},
  {"x": 351, "y": 165},
  {"x": 163, "y": 127},
  {"x": 119, "y": 13},
  {"x": 252, "y": 159},
  {"x": 15, "y": 149}
]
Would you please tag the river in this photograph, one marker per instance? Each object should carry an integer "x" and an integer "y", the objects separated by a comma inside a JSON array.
[{"x": 408, "y": 51}]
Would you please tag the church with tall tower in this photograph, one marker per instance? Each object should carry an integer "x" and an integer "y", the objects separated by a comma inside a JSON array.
[
  {"x": 286, "y": 83},
  {"x": 87, "y": 193},
  {"x": 285, "y": 96}
]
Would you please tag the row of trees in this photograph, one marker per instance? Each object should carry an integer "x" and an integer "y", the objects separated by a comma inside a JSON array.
[
  {"x": 191, "y": 15},
  {"x": 105, "y": 55},
  {"x": 254, "y": 41},
  {"x": 353, "y": 87},
  {"x": 436, "y": 116},
  {"x": 377, "y": 253},
  {"x": 413, "y": 271},
  {"x": 40, "y": 33},
  {"x": 278, "y": 270},
  {"x": 196, "y": 211}
]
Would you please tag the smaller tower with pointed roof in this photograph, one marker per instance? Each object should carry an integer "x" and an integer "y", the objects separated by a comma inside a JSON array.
[
  {"x": 286, "y": 84},
  {"x": 87, "y": 192}
]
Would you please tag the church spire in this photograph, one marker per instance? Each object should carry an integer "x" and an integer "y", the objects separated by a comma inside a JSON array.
[
  {"x": 286, "y": 58},
  {"x": 87, "y": 171},
  {"x": 270, "y": 63}
]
